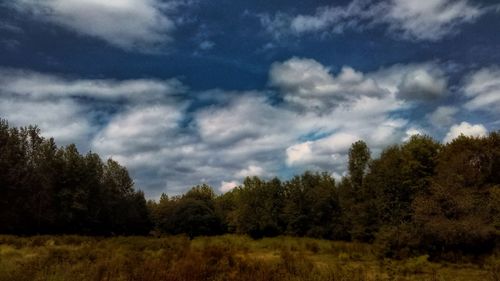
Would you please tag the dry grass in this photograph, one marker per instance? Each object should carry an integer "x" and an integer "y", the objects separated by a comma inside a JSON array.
[{"x": 228, "y": 257}]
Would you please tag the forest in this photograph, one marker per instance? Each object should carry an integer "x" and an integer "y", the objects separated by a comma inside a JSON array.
[{"x": 417, "y": 198}]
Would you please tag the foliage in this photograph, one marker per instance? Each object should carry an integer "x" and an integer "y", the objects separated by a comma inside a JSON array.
[
  {"x": 193, "y": 213},
  {"x": 50, "y": 189},
  {"x": 416, "y": 198}
]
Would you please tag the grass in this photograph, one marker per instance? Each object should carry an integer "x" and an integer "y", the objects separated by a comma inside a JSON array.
[{"x": 228, "y": 257}]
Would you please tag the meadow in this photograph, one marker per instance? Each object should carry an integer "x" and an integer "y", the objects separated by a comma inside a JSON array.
[{"x": 227, "y": 257}]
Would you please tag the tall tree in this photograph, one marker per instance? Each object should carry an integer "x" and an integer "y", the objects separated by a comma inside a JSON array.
[
  {"x": 260, "y": 206},
  {"x": 357, "y": 204},
  {"x": 311, "y": 206},
  {"x": 359, "y": 157}
]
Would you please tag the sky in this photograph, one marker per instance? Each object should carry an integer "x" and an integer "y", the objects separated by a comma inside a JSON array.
[{"x": 185, "y": 92}]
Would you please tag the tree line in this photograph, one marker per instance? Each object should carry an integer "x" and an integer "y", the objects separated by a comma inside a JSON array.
[
  {"x": 417, "y": 197},
  {"x": 49, "y": 189}
]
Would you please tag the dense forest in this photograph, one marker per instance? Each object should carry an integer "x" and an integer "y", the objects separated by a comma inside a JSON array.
[
  {"x": 419, "y": 197},
  {"x": 45, "y": 189}
]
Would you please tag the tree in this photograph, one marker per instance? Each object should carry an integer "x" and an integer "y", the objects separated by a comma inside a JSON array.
[
  {"x": 46, "y": 189},
  {"x": 260, "y": 206},
  {"x": 359, "y": 157},
  {"x": 455, "y": 214},
  {"x": 311, "y": 206},
  {"x": 13, "y": 178},
  {"x": 226, "y": 206},
  {"x": 192, "y": 214},
  {"x": 357, "y": 198}
]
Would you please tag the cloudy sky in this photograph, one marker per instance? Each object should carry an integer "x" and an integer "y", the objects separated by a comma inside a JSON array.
[{"x": 185, "y": 92}]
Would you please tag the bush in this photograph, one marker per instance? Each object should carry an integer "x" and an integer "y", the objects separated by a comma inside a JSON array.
[{"x": 397, "y": 242}]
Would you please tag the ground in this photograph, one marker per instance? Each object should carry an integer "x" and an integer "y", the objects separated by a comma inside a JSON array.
[{"x": 228, "y": 257}]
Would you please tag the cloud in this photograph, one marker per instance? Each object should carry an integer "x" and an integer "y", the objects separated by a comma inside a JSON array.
[
  {"x": 482, "y": 88},
  {"x": 64, "y": 120},
  {"x": 139, "y": 129},
  {"x": 207, "y": 45},
  {"x": 299, "y": 153},
  {"x": 334, "y": 19},
  {"x": 277, "y": 25},
  {"x": 245, "y": 120},
  {"x": 307, "y": 83},
  {"x": 465, "y": 129},
  {"x": 326, "y": 150},
  {"x": 337, "y": 19},
  {"x": 228, "y": 186},
  {"x": 423, "y": 84},
  {"x": 330, "y": 152},
  {"x": 250, "y": 129},
  {"x": 442, "y": 116},
  {"x": 72, "y": 110},
  {"x": 171, "y": 138},
  {"x": 38, "y": 85},
  {"x": 150, "y": 141},
  {"x": 343, "y": 108},
  {"x": 407, "y": 19},
  {"x": 128, "y": 24},
  {"x": 252, "y": 170},
  {"x": 413, "y": 82},
  {"x": 429, "y": 20},
  {"x": 413, "y": 132}
]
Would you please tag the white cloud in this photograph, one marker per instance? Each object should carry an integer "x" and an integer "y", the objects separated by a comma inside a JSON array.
[
  {"x": 228, "y": 186},
  {"x": 307, "y": 83},
  {"x": 443, "y": 116},
  {"x": 250, "y": 130},
  {"x": 325, "y": 17},
  {"x": 465, "y": 129},
  {"x": 420, "y": 20},
  {"x": 428, "y": 19},
  {"x": 299, "y": 153},
  {"x": 38, "y": 86},
  {"x": 169, "y": 145},
  {"x": 413, "y": 132},
  {"x": 245, "y": 119},
  {"x": 482, "y": 88},
  {"x": 128, "y": 24},
  {"x": 144, "y": 128},
  {"x": 322, "y": 151},
  {"x": 351, "y": 103},
  {"x": 64, "y": 120},
  {"x": 250, "y": 171}
]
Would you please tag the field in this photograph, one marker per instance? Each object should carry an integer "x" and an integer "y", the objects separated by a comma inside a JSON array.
[{"x": 227, "y": 257}]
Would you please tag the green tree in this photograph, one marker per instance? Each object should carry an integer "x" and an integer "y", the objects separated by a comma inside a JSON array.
[
  {"x": 260, "y": 205},
  {"x": 311, "y": 206},
  {"x": 359, "y": 157},
  {"x": 357, "y": 197},
  {"x": 455, "y": 214},
  {"x": 193, "y": 213}
]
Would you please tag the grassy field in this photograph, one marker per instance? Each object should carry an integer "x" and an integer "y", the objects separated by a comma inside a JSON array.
[{"x": 227, "y": 257}]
